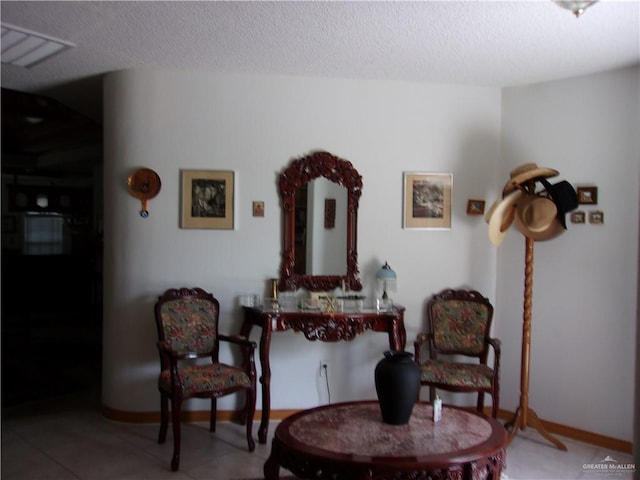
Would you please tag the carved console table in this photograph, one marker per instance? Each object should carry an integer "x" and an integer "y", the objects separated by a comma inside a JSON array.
[{"x": 316, "y": 325}]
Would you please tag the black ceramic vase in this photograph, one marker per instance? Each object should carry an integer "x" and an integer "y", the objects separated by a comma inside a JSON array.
[{"x": 397, "y": 379}]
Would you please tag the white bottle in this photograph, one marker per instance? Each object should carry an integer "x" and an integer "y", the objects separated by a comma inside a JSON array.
[{"x": 437, "y": 409}]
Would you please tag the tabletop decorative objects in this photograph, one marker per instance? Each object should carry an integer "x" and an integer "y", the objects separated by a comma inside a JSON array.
[{"x": 397, "y": 379}]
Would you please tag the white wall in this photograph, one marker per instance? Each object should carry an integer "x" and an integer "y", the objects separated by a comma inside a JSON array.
[
  {"x": 584, "y": 282},
  {"x": 255, "y": 125}
]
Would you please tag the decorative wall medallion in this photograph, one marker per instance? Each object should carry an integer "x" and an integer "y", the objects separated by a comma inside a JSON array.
[{"x": 144, "y": 184}]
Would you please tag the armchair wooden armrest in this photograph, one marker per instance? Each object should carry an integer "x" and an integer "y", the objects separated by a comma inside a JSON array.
[
  {"x": 495, "y": 343},
  {"x": 248, "y": 348},
  {"x": 239, "y": 340},
  {"x": 421, "y": 340}
]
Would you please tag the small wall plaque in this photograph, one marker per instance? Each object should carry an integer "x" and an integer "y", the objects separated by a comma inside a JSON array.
[
  {"x": 329, "y": 213},
  {"x": 475, "y": 207},
  {"x": 258, "y": 209},
  {"x": 587, "y": 195},
  {"x": 578, "y": 217},
  {"x": 596, "y": 217}
]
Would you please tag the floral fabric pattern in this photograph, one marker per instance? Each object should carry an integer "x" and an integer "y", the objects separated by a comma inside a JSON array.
[
  {"x": 214, "y": 377},
  {"x": 459, "y": 375},
  {"x": 189, "y": 326},
  {"x": 459, "y": 326},
  {"x": 459, "y": 323},
  {"x": 188, "y": 343}
]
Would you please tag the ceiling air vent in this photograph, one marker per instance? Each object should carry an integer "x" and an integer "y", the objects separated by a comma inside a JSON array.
[{"x": 25, "y": 48}]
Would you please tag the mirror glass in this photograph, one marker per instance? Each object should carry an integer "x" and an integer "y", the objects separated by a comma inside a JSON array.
[
  {"x": 320, "y": 195},
  {"x": 321, "y": 228}
]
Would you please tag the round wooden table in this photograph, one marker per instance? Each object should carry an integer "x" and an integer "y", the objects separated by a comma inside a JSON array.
[{"x": 350, "y": 441}]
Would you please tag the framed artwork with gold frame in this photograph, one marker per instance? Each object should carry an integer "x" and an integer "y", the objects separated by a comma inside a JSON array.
[
  {"x": 427, "y": 200},
  {"x": 207, "y": 199}
]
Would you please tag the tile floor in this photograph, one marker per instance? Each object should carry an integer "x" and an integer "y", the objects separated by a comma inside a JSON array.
[{"x": 68, "y": 439}]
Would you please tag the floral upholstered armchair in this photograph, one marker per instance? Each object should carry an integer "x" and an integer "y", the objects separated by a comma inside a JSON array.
[
  {"x": 187, "y": 323},
  {"x": 458, "y": 323}
]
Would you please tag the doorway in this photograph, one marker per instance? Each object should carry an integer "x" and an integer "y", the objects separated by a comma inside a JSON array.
[{"x": 51, "y": 249}]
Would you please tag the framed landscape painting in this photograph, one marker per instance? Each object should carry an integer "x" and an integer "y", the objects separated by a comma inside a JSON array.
[{"x": 427, "y": 200}]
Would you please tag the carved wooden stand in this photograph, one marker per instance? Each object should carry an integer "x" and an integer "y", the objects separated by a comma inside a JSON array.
[
  {"x": 524, "y": 415},
  {"x": 316, "y": 325}
]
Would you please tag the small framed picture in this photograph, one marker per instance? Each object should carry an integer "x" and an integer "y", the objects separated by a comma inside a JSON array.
[
  {"x": 596, "y": 217},
  {"x": 207, "y": 199},
  {"x": 475, "y": 207},
  {"x": 578, "y": 217},
  {"x": 258, "y": 209},
  {"x": 427, "y": 200},
  {"x": 587, "y": 195}
]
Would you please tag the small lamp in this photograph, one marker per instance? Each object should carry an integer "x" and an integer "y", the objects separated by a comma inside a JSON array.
[{"x": 386, "y": 279}]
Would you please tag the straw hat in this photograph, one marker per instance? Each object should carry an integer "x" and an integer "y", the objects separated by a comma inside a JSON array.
[
  {"x": 537, "y": 218},
  {"x": 500, "y": 216},
  {"x": 525, "y": 173}
]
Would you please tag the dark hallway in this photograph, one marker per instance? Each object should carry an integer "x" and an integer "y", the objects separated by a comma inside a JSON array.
[{"x": 51, "y": 250}]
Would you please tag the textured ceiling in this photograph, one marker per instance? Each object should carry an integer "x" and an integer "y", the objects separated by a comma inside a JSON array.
[{"x": 483, "y": 43}]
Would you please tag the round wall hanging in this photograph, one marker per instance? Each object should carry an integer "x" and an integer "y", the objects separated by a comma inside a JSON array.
[{"x": 144, "y": 184}]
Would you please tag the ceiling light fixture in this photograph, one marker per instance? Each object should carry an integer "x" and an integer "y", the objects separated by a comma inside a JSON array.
[
  {"x": 25, "y": 48},
  {"x": 576, "y": 6}
]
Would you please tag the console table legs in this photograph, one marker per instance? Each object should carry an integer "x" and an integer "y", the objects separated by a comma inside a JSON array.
[
  {"x": 265, "y": 376},
  {"x": 265, "y": 381},
  {"x": 315, "y": 326}
]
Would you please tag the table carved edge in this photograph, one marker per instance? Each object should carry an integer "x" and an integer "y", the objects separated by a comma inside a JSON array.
[
  {"x": 302, "y": 455},
  {"x": 484, "y": 468},
  {"x": 336, "y": 327}
]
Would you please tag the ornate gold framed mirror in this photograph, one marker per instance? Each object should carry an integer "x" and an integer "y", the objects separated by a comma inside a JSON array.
[{"x": 319, "y": 254}]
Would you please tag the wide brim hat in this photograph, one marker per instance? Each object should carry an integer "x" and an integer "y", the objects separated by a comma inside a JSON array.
[
  {"x": 525, "y": 173},
  {"x": 536, "y": 217},
  {"x": 500, "y": 216},
  {"x": 564, "y": 196}
]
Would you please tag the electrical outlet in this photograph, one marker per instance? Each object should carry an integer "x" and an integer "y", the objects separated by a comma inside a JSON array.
[{"x": 324, "y": 368}]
